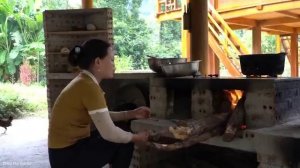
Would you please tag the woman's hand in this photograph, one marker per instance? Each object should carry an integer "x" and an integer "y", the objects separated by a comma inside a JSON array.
[
  {"x": 140, "y": 113},
  {"x": 140, "y": 137}
]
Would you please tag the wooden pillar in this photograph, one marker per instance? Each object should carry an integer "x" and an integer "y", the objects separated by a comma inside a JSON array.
[
  {"x": 199, "y": 33},
  {"x": 185, "y": 35},
  {"x": 278, "y": 43},
  {"x": 186, "y": 46},
  {"x": 256, "y": 39},
  {"x": 294, "y": 54},
  {"x": 86, "y": 4}
]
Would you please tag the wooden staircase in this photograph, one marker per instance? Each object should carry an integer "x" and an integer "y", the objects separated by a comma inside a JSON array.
[
  {"x": 221, "y": 38},
  {"x": 224, "y": 42}
]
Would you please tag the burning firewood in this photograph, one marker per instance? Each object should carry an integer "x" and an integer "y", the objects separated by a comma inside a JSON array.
[
  {"x": 236, "y": 119},
  {"x": 188, "y": 132},
  {"x": 187, "y": 143}
]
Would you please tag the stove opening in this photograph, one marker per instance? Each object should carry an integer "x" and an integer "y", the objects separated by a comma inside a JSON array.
[{"x": 233, "y": 96}]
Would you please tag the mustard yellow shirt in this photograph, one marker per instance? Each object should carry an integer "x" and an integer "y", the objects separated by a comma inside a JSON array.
[{"x": 70, "y": 120}]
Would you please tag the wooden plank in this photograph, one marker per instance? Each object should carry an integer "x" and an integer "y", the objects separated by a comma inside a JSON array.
[
  {"x": 278, "y": 21},
  {"x": 242, "y": 22},
  {"x": 289, "y": 14},
  {"x": 266, "y": 8},
  {"x": 279, "y": 29},
  {"x": 225, "y": 5}
]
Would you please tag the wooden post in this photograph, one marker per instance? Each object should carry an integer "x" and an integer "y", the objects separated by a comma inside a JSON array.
[
  {"x": 186, "y": 46},
  {"x": 199, "y": 33},
  {"x": 294, "y": 54},
  {"x": 185, "y": 36},
  {"x": 278, "y": 43},
  {"x": 256, "y": 39},
  {"x": 87, "y": 4}
]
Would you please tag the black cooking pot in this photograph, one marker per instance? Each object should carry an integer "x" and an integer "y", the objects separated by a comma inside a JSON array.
[{"x": 262, "y": 64}]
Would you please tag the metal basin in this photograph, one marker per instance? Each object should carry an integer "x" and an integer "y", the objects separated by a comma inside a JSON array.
[
  {"x": 156, "y": 63},
  {"x": 181, "y": 69}
]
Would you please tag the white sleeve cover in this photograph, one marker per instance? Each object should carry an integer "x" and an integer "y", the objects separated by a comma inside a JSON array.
[
  {"x": 119, "y": 116},
  {"x": 107, "y": 128}
]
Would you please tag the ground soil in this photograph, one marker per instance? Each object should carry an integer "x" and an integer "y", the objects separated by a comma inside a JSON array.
[{"x": 25, "y": 144}]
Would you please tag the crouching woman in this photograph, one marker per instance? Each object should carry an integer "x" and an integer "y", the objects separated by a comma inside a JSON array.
[{"x": 81, "y": 103}]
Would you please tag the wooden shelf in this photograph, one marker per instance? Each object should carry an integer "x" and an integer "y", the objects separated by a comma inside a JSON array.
[{"x": 84, "y": 32}]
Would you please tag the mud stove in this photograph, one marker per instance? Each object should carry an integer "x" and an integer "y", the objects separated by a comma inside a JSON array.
[{"x": 267, "y": 122}]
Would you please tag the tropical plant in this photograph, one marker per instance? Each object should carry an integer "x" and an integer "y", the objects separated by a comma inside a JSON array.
[
  {"x": 131, "y": 33},
  {"x": 21, "y": 36}
]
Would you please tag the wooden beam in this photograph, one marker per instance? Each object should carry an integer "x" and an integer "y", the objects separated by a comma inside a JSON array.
[
  {"x": 242, "y": 22},
  {"x": 256, "y": 40},
  {"x": 279, "y": 29},
  {"x": 278, "y": 21},
  {"x": 294, "y": 54},
  {"x": 236, "y": 27},
  {"x": 289, "y": 14},
  {"x": 266, "y": 8}
]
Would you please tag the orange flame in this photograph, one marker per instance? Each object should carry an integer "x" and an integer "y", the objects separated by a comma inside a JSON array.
[{"x": 234, "y": 96}]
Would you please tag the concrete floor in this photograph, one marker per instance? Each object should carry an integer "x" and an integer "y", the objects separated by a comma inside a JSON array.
[{"x": 25, "y": 144}]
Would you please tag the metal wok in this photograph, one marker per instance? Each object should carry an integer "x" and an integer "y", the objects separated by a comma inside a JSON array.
[
  {"x": 156, "y": 63},
  {"x": 181, "y": 69}
]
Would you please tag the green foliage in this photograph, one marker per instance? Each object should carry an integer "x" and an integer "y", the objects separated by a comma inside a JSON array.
[
  {"x": 123, "y": 63},
  {"x": 268, "y": 43},
  {"x": 131, "y": 33},
  {"x": 21, "y": 36},
  {"x": 15, "y": 101},
  {"x": 169, "y": 42}
]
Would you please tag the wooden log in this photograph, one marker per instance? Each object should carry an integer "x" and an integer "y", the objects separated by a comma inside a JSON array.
[
  {"x": 236, "y": 119},
  {"x": 187, "y": 143},
  {"x": 189, "y": 128}
]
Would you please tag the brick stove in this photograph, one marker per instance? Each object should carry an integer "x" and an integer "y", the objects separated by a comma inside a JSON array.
[{"x": 272, "y": 113}]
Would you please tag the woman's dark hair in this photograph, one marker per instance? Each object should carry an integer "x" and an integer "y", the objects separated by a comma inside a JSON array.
[{"x": 83, "y": 55}]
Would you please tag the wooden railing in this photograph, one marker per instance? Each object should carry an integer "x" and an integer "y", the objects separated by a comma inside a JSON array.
[
  {"x": 225, "y": 42},
  {"x": 165, "y": 6}
]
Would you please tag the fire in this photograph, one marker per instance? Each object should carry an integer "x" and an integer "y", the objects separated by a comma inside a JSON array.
[{"x": 234, "y": 96}]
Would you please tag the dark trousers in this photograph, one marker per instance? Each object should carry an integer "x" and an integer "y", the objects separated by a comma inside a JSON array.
[{"x": 92, "y": 152}]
